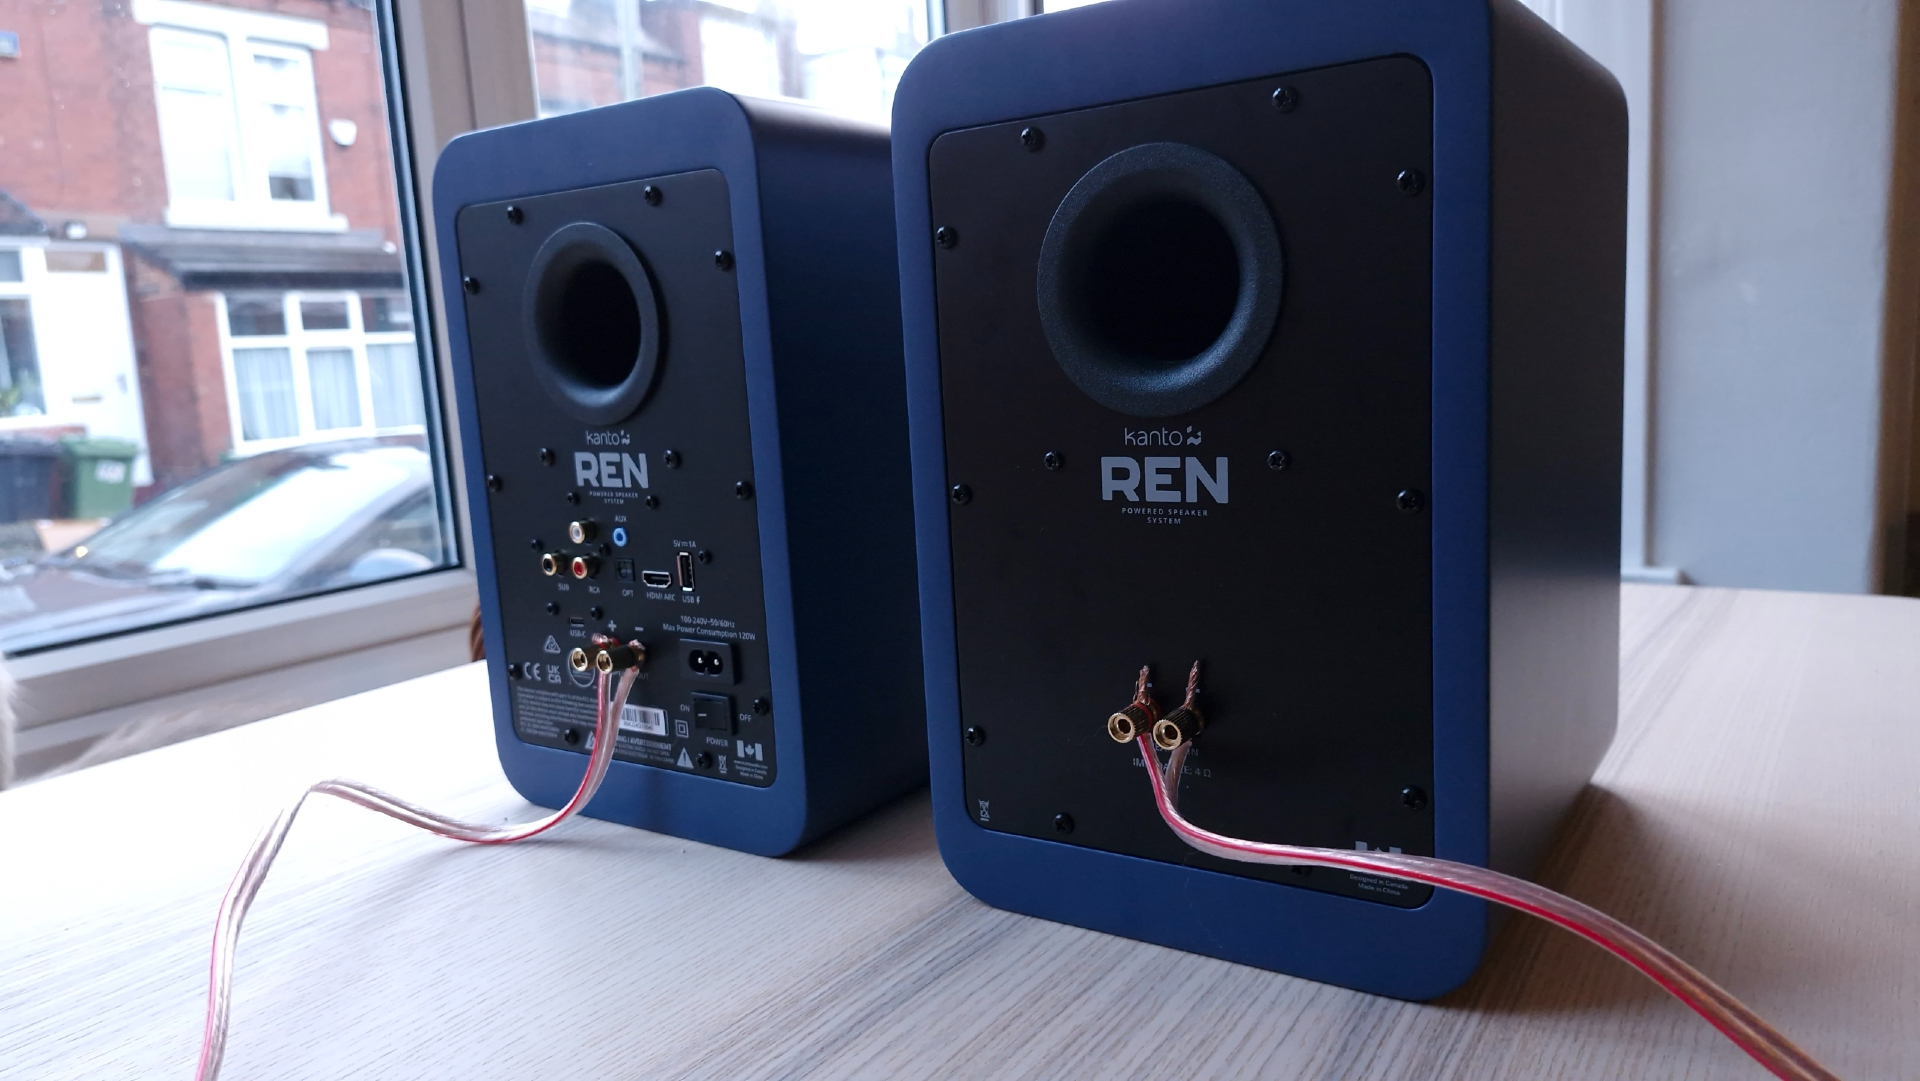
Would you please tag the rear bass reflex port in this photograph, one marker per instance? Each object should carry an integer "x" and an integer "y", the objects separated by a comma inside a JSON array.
[
  {"x": 550, "y": 564},
  {"x": 585, "y": 566},
  {"x": 656, "y": 579},
  {"x": 683, "y": 563}
]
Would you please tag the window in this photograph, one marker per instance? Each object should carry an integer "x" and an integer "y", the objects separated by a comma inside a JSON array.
[
  {"x": 238, "y": 112},
  {"x": 308, "y": 367},
  {"x": 213, "y": 393},
  {"x": 846, "y": 55}
]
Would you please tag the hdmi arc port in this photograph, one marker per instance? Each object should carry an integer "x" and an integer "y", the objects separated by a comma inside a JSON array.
[{"x": 656, "y": 579}]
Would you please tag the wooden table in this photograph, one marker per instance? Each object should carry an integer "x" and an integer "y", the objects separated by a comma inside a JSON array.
[{"x": 1760, "y": 813}]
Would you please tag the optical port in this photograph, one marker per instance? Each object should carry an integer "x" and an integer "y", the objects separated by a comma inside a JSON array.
[{"x": 656, "y": 579}]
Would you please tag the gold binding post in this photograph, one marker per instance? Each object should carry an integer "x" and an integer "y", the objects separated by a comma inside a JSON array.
[
  {"x": 579, "y": 660},
  {"x": 1137, "y": 718},
  {"x": 616, "y": 656},
  {"x": 1186, "y": 721}
]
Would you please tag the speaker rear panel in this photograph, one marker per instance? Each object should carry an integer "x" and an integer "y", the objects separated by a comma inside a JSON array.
[
  {"x": 1305, "y": 591},
  {"x": 698, "y": 409}
]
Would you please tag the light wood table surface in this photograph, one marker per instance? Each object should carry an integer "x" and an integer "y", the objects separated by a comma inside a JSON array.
[{"x": 1759, "y": 813}]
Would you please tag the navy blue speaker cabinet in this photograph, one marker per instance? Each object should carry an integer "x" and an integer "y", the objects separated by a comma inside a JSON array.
[
  {"x": 1283, "y": 336},
  {"x": 675, "y": 336}
]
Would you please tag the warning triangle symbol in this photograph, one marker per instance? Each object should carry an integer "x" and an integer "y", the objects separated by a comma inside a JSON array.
[
  {"x": 553, "y": 644},
  {"x": 685, "y": 762}
]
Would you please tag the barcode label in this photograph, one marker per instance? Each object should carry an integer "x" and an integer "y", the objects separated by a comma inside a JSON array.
[{"x": 646, "y": 720}]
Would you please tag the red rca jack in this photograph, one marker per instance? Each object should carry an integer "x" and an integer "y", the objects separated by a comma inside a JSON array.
[
  {"x": 1138, "y": 717},
  {"x": 1186, "y": 721},
  {"x": 585, "y": 566}
]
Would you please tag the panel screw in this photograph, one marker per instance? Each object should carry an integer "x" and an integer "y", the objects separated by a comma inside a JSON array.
[
  {"x": 570, "y": 737},
  {"x": 1053, "y": 460},
  {"x": 1286, "y": 99},
  {"x": 1411, "y": 182},
  {"x": 553, "y": 608},
  {"x": 1278, "y": 460},
  {"x": 1413, "y": 797},
  {"x": 515, "y": 215},
  {"x": 596, "y": 612},
  {"x": 1410, "y": 500},
  {"x": 723, "y": 260},
  {"x": 703, "y": 556},
  {"x": 513, "y": 671},
  {"x": 651, "y": 194},
  {"x": 494, "y": 483},
  {"x": 546, "y": 455},
  {"x": 961, "y": 494},
  {"x": 670, "y": 459},
  {"x": 762, "y": 706},
  {"x": 536, "y": 545},
  {"x": 1032, "y": 138},
  {"x": 573, "y": 499},
  {"x": 975, "y": 736},
  {"x": 471, "y": 285},
  {"x": 945, "y": 236},
  {"x": 743, "y": 489},
  {"x": 605, "y": 549},
  {"x": 1063, "y": 823},
  {"x": 703, "y": 760},
  {"x": 652, "y": 502}
]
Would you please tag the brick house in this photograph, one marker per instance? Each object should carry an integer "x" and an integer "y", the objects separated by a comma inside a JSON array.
[{"x": 224, "y": 171}]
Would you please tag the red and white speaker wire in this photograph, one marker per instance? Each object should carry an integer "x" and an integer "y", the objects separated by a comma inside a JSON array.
[
  {"x": 1738, "y": 1023},
  {"x": 610, "y": 697}
]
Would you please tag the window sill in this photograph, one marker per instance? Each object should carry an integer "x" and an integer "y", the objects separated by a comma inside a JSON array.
[
  {"x": 73, "y": 681},
  {"x": 253, "y": 216}
]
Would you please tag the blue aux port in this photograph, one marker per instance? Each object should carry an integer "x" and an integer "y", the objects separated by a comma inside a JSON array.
[{"x": 619, "y": 537}]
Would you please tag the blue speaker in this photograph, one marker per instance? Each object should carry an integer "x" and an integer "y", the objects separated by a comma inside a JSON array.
[
  {"x": 676, "y": 352},
  {"x": 1278, "y": 343}
]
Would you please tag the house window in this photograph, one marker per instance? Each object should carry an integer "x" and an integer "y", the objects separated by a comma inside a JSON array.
[
  {"x": 305, "y": 367},
  {"x": 20, "y": 393},
  {"x": 239, "y": 121}
]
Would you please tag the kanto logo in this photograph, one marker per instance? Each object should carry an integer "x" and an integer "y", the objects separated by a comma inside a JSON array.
[
  {"x": 1160, "y": 437},
  {"x": 609, "y": 470},
  {"x": 1126, "y": 476}
]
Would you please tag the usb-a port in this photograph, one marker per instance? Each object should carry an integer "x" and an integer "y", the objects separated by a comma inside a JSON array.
[
  {"x": 656, "y": 579},
  {"x": 683, "y": 562}
]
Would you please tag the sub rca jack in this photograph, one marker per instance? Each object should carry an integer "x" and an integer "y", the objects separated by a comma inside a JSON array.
[
  {"x": 585, "y": 566},
  {"x": 1137, "y": 718},
  {"x": 550, "y": 564}
]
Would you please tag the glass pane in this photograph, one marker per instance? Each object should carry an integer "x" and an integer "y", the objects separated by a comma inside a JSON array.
[
  {"x": 194, "y": 91},
  {"x": 386, "y": 313},
  {"x": 263, "y": 379},
  {"x": 286, "y": 128},
  {"x": 178, "y": 357},
  {"x": 76, "y": 262},
  {"x": 336, "y": 393},
  {"x": 323, "y": 315},
  {"x": 846, "y": 55},
  {"x": 393, "y": 373},
  {"x": 260, "y": 315},
  {"x": 20, "y": 394}
]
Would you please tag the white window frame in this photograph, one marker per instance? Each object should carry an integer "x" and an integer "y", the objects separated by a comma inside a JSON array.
[
  {"x": 246, "y": 34},
  {"x": 297, "y": 340}
]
